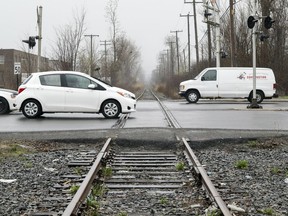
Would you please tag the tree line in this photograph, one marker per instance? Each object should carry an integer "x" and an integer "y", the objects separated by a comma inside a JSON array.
[{"x": 117, "y": 63}]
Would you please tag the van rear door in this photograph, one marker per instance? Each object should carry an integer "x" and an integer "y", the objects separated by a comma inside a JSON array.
[{"x": 209, "y": 84}]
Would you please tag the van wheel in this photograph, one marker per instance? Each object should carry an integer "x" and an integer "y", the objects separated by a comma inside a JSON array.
[
  {"x": 192, "y": 96},
  {"x": 259, "y": 97},
  {"x": 31, "y": 109}
]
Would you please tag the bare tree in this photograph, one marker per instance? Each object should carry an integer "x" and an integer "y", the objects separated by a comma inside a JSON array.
[
  {"x": 69, "y": 38},
  {"x": 111, "y": 15}
]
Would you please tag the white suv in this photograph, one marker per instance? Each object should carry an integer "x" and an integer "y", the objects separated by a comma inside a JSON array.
[{"x": 69, "y": 91}]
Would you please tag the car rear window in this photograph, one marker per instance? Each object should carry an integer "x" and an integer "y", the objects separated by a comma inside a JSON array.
[
  {"x": 50, "y": 80},
  {"x": 27, "y": 79}
]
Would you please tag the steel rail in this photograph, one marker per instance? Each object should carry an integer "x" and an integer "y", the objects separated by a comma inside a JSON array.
[
  {"x": 206, "y": 180},
  {"x": 86, "y": 185},
  {"x": 172, "y": 122}
]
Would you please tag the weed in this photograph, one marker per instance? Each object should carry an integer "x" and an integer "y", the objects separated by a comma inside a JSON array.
[
  {"x": 275, "y": 170},
  {"x": 214, "y": 212},
  {"x": 180, "y": 166},
  {"x": 73, "y": 189},
  {"x": 164, "y": 201},
  {"x": 78, "y": 171},
  {"x": 98, "y": 190},
  {"x": 107, "y": 172},
  {"x": 122, "y": 213},
  {"x": 93, "y": 203},
  {"x": 242, "y": 164},
  {"x": 28, "y": 164},
  {"x": 253, "y": 143},
  {"x": 267, "y": 211}
]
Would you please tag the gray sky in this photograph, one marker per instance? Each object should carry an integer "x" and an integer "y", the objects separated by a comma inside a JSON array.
[{"x": 145, "y": 22}]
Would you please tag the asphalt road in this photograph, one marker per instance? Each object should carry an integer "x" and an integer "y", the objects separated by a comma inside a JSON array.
[
  {"x": 208, "y": 119},
  {"x": 206, "y": 114}
]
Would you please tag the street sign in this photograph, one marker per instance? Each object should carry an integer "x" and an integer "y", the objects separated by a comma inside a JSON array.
[{"x": 17, "y": 67}]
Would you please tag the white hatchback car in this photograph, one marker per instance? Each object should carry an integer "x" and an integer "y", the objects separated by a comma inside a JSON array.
[
  {"x": 69, "y": 91},
  {"x": 7, "y": 100}
]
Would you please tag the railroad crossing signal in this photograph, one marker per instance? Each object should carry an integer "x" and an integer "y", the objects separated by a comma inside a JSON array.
[
  {"x": 268, "y": 22},
  {"x": 251, "y": 22}
]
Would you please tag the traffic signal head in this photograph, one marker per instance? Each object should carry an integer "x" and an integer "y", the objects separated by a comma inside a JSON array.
[
  {"x": 268, "y": 22},
  {"x": 251, "y": 22},
  {"x": 31, "y": 42}
]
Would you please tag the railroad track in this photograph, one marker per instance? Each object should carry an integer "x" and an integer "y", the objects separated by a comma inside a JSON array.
[{"x": 146, "y": 181}]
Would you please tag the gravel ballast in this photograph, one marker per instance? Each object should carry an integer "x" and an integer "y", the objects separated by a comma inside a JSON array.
[{"x": 262, "y": 186}]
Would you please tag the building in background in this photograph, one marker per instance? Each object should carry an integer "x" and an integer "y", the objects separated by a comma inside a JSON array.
[{"x": 11, "y": 77}]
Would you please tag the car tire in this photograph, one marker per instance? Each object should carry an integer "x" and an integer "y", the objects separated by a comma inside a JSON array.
[
  {"x": 111, "y": 109},
  {"x": 31, "y": 109},
  {"x": 4, "y": 106},
  {"x": 192, "y": 96}
]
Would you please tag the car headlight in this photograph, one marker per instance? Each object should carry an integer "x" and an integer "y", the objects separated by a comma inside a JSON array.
[
  {"x": 125, "y": 94},
  {"x": 182, "y": 87}
]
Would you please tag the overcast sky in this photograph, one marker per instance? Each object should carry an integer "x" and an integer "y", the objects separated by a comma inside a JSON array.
[{"x": 146, "y": 22}]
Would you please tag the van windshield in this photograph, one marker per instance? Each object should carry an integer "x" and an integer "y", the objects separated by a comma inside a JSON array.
[{"x": 200, "y": 74}]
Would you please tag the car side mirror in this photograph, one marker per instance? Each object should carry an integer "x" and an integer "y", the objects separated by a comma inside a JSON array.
[
  {"x": 202, "y": 78},
  {"x": 92, "y": 86}
]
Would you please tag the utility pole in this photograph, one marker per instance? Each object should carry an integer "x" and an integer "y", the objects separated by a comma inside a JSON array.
[
  {"x": 39, "y": 22},
  {"x": 105, "y": 43},
  {"x": 91, "y": 52},
  {"x": 232, "y": 33},
  {"x": 189, "y": 46},
  {"x": 177, "y": 47},
  {"x": 171, "y": 58},
  {"x": 196, "y": 29}
]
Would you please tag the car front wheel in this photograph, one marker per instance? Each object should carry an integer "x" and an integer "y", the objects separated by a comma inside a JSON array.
[
  {"x": 31, "y": 109},
  {"x": 4, "y": 106},
  {"x": 111, "y": 109}
]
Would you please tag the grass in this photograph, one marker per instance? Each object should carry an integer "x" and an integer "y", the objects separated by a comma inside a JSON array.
[
  {"x": 164, "y": 201},
  {"x": 267, "y": 211},
  {"x": 107, "y": 172},
  {"x": 78, "y": 171},
  {"x": 73, "y": 189},
  {"x": 12, "y": 150},
  {"x": 253, "y": 144},
  {"x": 214, "y": 212},
  {"x": 241, "y": 164},
  {"x": 180, "y": 166},
  {"x": 98, "y": 190},
  {"x": 122, "y": 213}
]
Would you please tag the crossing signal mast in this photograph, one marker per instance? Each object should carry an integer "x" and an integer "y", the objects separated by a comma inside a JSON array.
[{"x": 251, "y": 22}]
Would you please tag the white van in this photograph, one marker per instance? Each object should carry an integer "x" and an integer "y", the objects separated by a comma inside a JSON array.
[{"x": 234, "y": 82}]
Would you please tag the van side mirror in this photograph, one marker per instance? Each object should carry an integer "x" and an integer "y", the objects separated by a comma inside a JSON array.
[{"x": 202, "y": 78}]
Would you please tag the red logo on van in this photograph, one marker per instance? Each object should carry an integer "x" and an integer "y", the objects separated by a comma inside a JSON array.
[{"x": 242, "y": 76}]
